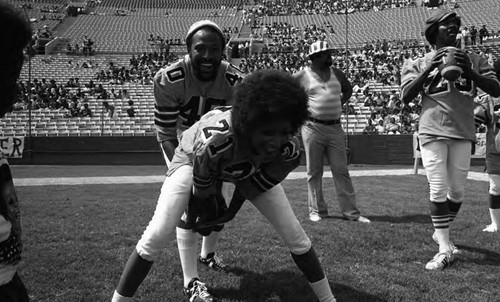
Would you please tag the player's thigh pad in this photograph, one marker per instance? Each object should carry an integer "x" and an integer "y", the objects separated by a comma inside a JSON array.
[
  {"x": 172, "y": 202},
  {"x": 274, "y": 205},
  {"x": 434, "y": 156},
  {"x": 494, "y": 184},
  {"x": 458, "y": 168}
]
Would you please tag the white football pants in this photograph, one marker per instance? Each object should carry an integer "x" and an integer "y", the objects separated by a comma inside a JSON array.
[{"x": 173, "y": 200}]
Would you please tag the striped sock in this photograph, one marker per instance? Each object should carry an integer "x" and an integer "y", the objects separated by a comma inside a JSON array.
[
  {"x": 454, "y": 209},
  {"x": 440, "y": 215}
]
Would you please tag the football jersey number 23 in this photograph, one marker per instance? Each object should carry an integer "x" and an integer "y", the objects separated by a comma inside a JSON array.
[{"x": 437, "y": 85}]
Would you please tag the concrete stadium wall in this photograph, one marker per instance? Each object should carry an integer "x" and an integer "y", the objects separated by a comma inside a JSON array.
[
  {"x": 144, "y": 150},
  {"x": 91, "y": 150}
]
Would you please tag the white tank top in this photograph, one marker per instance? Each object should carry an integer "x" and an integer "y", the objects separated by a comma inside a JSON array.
[{"x": 324, "y": 97}]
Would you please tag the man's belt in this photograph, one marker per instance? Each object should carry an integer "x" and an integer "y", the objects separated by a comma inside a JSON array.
[{"x": 325, "y": 122}]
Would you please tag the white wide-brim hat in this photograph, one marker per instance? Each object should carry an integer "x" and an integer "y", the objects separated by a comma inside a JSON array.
[{"x": 317, "y": 47}]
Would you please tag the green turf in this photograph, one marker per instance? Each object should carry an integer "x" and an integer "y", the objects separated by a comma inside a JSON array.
[{"x": 78, "y": 238}]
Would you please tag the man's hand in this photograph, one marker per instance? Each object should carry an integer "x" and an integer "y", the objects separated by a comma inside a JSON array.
[
  {"x": 463, "y": 61},
  {"x": 202, "y": 211},
  {"x": 437, "y": 59}
]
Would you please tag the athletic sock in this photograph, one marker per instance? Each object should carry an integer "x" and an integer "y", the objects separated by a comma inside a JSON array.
[
  {"x": 495, "y": 210},
  {"x": 440, "y": 215},
  {"x": 209, "y": 244},
  {"x": 495, "y": 217},
  {"x": 187, "y": 244},
  {"x": 322, "y": 290},
  {"x": 309, "y": 264},
  {"x": 119, "y": 298},
  {"x": 454, "y": 209}
]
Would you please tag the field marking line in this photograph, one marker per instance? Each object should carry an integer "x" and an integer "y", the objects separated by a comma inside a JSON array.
[{"x": 103, "y": 180}]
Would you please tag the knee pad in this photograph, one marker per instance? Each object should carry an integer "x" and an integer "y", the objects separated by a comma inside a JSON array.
[
  {"x": 494, "y": 184},
  {"x": 301, "y": 246}
]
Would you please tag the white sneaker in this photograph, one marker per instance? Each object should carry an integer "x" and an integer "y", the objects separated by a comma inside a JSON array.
[
  {"x": 440, "y": 261},
  {"x": 314, "y": 217},
  {"x": 492, "y": 228},
  {"x": 363, "y": 219},
  {"x": 453, "y": 248}
]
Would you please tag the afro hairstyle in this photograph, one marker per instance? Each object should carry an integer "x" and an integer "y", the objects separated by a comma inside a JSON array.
[{"x": 267, "y": 95}]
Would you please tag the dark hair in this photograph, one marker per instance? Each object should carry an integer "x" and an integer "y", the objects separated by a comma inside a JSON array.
[
  {"x": 267, "y": 95},
  {"x": 15, "y": 31}
]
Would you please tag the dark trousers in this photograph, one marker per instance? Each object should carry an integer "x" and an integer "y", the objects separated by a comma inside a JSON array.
[{"x": 14, "y": 291}]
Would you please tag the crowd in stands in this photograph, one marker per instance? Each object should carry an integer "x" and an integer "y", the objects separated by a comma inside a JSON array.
[
  {"x": 389, "y": 115},
  {"x": 324, "y": 7},
  {"x": 71, "y": 98},
  {"x": 141, "y": 69},
  {"x": 163, "y": 44}
]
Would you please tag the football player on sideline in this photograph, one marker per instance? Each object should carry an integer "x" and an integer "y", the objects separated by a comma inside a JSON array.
[
  {"x": 446, "y": 127},
  {"x": 16, "y": 30},
  {"x": 251, "y": 145},
  {"x": 184, "y": 91},
  {"x": 489, "y": 112}
]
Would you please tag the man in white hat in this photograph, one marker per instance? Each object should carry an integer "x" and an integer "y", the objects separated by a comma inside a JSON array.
[
  {"x": 184, "y": 91},
  {"x": 328, "y": 89}
]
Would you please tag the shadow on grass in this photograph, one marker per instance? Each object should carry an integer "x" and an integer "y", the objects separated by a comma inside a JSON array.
[
  {"x": 416, "y": 218},
  {"x": 284, "y": 286},
  {"x": 489, "y": 257}
]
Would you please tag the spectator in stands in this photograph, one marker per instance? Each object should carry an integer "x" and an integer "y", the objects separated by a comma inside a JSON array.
[
  {"x": 328, "y": 89},
  {"x": 74, "y": 109},
  {"x": 465, "y": 37},
  {"x": 392, "y": 127},
  {"x": 473, "y": 35},
  {"x": 108, "y": 109},
  {"x": 380, "y": 127},
  {"x": 16, "y": 34},
  {"x": 370, "y": 128},
  {"x": 130, "y": 109},
  {"x": 483, "y": 33},
  {"x": 85, "y": 111}
]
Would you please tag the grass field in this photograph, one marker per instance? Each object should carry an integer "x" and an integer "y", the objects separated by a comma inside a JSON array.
[{"x": 78, "y": 238}]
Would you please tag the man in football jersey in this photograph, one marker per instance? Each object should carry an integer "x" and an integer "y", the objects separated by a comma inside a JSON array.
[
  {"x": 16, "y": 32},
  {"x": 446, "y": 126},
  {"x": 488, "y": 111},
  {"x": 251, "y": 145},
  {"x": 184, "y": 91}
]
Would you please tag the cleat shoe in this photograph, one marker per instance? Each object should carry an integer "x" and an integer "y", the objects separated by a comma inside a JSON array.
[
  {"x": 314, "y": 217},
  {"x": 492, "y": 228},
  {"x": 197, "y": 292},
  {"x": 363, "y": 219},
  {"x": 440, "y": 261},
  {"x": 453, "y": 248},
  {"x": 213, "y": 262}
]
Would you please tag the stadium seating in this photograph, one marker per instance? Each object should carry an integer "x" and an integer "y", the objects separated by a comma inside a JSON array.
[{"x": 118, "y": 37}]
